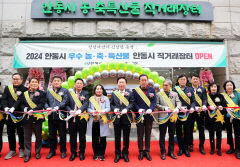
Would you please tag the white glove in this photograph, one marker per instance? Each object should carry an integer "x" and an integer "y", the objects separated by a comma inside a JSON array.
[
  {"x": 204, "y": 108},
  {"x": 25, "y": 110},
  {"x": 149, "y": 111},
  {"x": 56, "y": 108},
  {"x": 71, "y": 112},
  {"x": 12, "y": 109},
  {"x": 183, "y": 108},
  {"x": 220, "y": 108},
  {"x": 212, "y": 107},
  {"x": 30, "y": 112},
  {"x": 124, "y": 111},
  {"x": 140, "y": 111},
  {"x": 176, "y": 110},
  {"x": 166, "y": 108},
  {"x": 78, "y": 112},
  {"x": 102, "y": 112},
  {"x": 116, "y": 110},
  {"x": 198, "y": 108},
  {"x": 49, "y": 108},
  {"x": 6, "y": 109},
  {"x": 191, "y": 110}
]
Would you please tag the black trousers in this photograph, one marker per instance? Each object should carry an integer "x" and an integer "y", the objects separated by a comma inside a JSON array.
[
  {"x": 200, "y": 125},
  {"x": 229, "y": 127},
  {"x": 54, "y": 126},
  {"x": 183, "y": 139},
  {"x": 29, "y": 128},
  {"x": 99, "y": 144},
  {"x": 118, "y": 128},
  {"x": 213, "y": 127},
  {"x": 1, "y": 131},
  {"x": 145, "y": 127},
  {"x": 163, "y": 129},
  {"x": 11, "y": 130},
  {"x": 236, "y": 127},
  {"x": 75, "y": 127}
]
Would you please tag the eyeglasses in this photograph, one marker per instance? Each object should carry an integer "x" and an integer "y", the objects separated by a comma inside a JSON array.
[{"x": 165, "y": 85}]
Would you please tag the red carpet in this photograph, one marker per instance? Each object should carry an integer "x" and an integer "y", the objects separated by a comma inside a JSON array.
[{"x": 196, "y": 159}]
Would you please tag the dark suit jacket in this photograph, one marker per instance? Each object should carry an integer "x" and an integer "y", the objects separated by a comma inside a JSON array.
[
  {"x": 140, "y": 104},
  {"x": 38, "y": 100},
  {"x": 115, "y": 103},
  {"x": 202, "y": 93},
  {"x": 8, "y": 101},
  {"x": 85, "y": 102}
]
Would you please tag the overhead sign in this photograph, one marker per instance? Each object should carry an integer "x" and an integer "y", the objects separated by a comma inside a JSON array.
[
  {"x": 122, "y": 9},
  {"x": 80, "y": 54}
]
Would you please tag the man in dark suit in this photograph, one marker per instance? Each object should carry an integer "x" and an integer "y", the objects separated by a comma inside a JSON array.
[
  {"x": 199, "y": 115},
  {"x": 121, "y": 103},
  {"x": 187, "y": 98},
  {"x": 144, "y": 104},
  {"x": 57, "y": 99},
  {"x": 10, "y": 96},
  {"x": 78, "y": 104}
]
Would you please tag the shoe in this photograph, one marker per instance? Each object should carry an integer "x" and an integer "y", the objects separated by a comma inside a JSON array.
[
  {"x": 180, "y": 153},
  {"x": 125, "y": 157},
  {"x": 191, "y": 148},
  {"x": 63, "y": 155},
  {"x": 186, "y": 152},
  {"x": 102, "y": 158},
  {"x": 81, "y": 157},
  {"x": 140, "y": 157},
  {"x": 117, "y": 158},
  {"x": 95, "y": 157},
  {"x": 237, "y": 155},
  {"x": 201, "y": 150},
  {"x": 10, "y": 155},
  {"x": 163, "y": 156},
  {"x": 219, "y": 152},
  {"x": 38, "y": 156},
  {"x": 21, "y": 153},
  {"x": 172, "y": 155},
  {"x": 50, "y": 155},
  {"x": 212, "y": 151},
  {"x": 230, "y": 151},
  {"x": 147, "y": 155},
  {"x": 72, "y": 157},
  {"x": 27, "y": 158}
]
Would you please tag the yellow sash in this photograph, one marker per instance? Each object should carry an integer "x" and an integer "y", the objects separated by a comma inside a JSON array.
[
  {"x": 11, "y": 90},
  {"x": 183, "y": 95},
  {"x": 143, "y": 96},
  {"x": 79, "y": 105},
  {"x": 32, "y": 105},
  {"x": 170, "y": 105},
  {"x": 121, "y": 98},
  {"x": 219, "y": 116},
  {"x": 98, "y": 108},
  {"x": 56, "y": 96},
  {"x": 238, "y": 90},
  {"x": 198, "y": 99},
  {"x": 230, "y": 101}
]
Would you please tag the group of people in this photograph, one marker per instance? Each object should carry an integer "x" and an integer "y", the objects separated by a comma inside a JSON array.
[{"x": 173, "y": 108}]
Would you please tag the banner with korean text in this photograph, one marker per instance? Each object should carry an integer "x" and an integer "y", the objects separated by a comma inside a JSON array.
[{"x": 79, "y": 54}]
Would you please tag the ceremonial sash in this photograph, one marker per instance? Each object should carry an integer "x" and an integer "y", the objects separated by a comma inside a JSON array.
[
  {"x": 121, "y": 98},
  {"x": 32, "y": 105},
  {"x": 79, "y": 105},
  {"x": 11, "y": 90},
  {"x": 231, "y": 104},
  {"x": 172, "y": 116},
  {"x": 1, "y": 116},
  {"x": 216, "y": 112},
  {"x": 56, "y": 96},
  {"x": 143, "y": 96},
  {"x": 198, "y": 99},
  {"x": 183, "y": 95},
  {"x": 98, "y": 108},
  {"x": 238, "y": 90}
]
